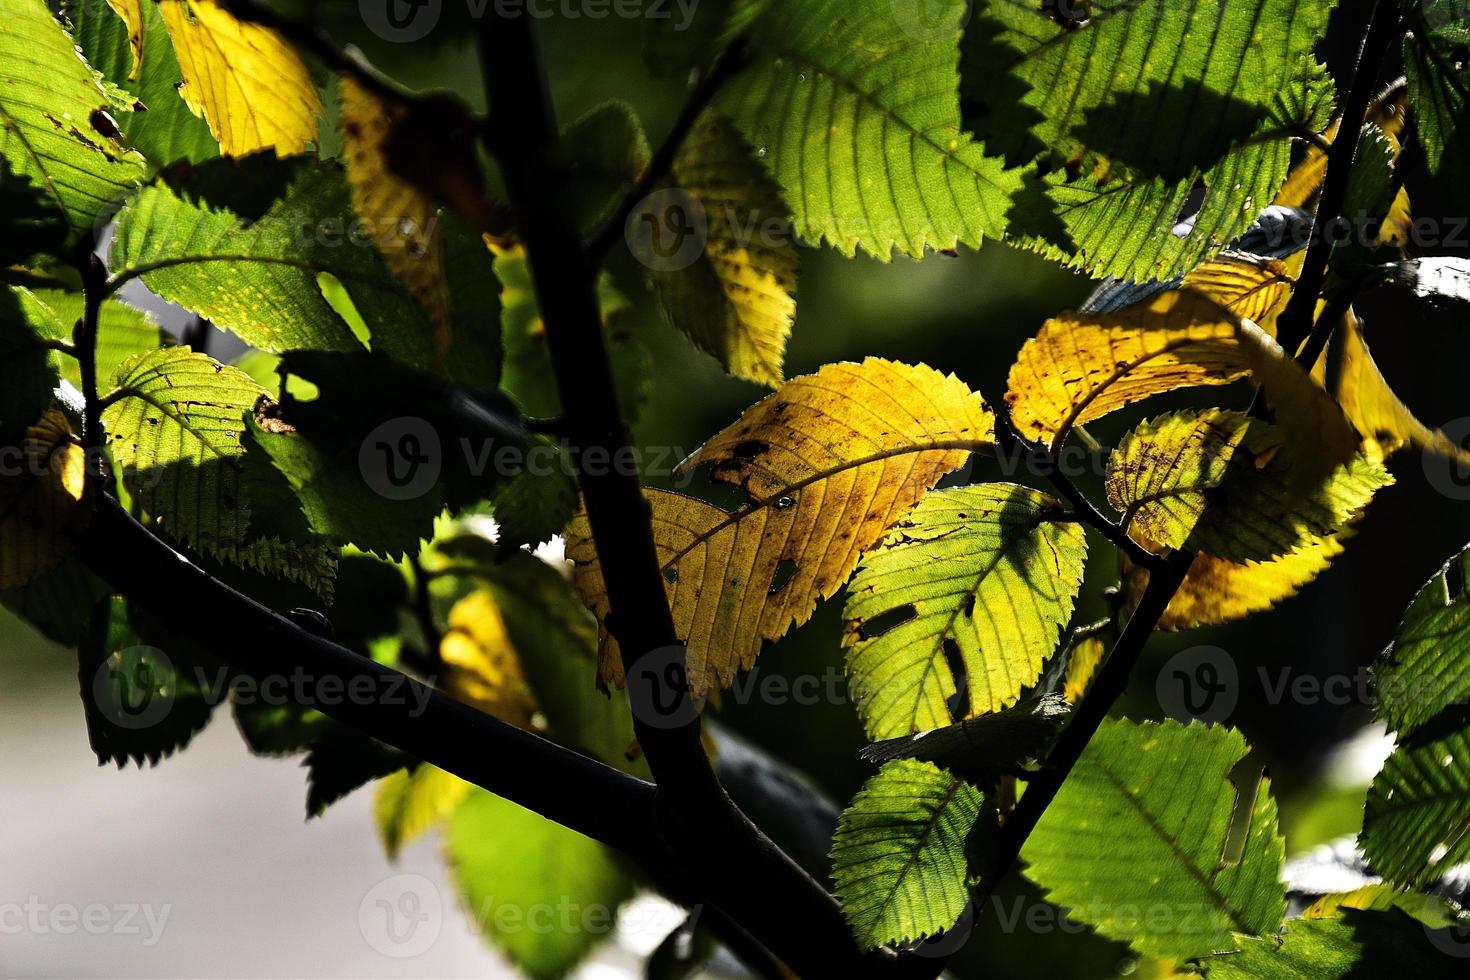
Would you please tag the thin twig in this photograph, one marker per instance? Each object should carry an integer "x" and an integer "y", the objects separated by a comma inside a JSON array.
[
  {"x": 726, "y": 63},
  {"x": 84, "y": 346},
  {"x": 1295, "y": 322}
]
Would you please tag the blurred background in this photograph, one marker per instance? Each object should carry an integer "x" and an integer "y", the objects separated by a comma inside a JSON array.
[{"x": 217, "y": 837}]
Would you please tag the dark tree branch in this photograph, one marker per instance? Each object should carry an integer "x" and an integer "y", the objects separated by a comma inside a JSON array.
[
  {"x": 739, "y": 869},
  {"x": 726, "y": 63},
  {"x": 1295, "y": 322},
  {"x": 84, "y": 347},
  {"x": 562, "y": 785}
]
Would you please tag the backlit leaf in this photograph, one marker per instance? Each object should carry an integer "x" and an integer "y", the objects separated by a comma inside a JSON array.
[
  {"x": 1427, "y": 669},
  {"x": 976, "y": 578},
  {"x": 858, "y": 119},
  {"x": 54, "y": 117},
  {"x": 898, "y": 859},
  {"x": 516, "y": 873},
  {"x": 828, "y": 463},
  {"x": 483, "y": 668},
  {"x": 131, "y": 12},
  {"x": 410, "y": 802},
  {"x": 244, "y": 79},
  {"x": 1355, "y": 944},
  {"x": 1082, "y": 366},
  {"x": 982, "y": 749},
  {"x": 1225, "y": 484},
  {"x": 1134, "y": 843},
  {"x": 1416, "y": 824},
  {"x": 174, "y": 425},
  {"x": 734, "y": 299}
]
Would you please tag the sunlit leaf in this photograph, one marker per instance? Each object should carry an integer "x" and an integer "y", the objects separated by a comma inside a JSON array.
[
  {"x": 974, "y": 578},
  {"x": 55, "y": 126},
  {"x": 889, "y": 165},
  {"x": 244, "y": 79},
  {"x": 483, "y": 668},
  {"x": 898, "y": 859},
  {"x": 982, "y": 749},
  {"x": 1356, "y": 944},
  {"x": 1226, "y": 485},
  {"x": 828, "y": 463},
  {"x": 410, "y": 802},
  {"x": 1427, "y": 669},
  {"x": 1134, "y": 843}
]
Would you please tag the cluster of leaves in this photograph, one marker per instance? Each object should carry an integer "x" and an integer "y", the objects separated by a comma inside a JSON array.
[{"x": 343, "y": 230}]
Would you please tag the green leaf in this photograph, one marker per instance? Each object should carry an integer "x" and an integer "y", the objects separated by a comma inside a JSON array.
[
  {"x": 122, "y": 331},
  {"x": 174, "y": 424},
  {"x": 164, "y": 131},
  {"x": 1224, "y": 484},
  {"x": 1134, "y": 843},
  {"x": 1359, "y": 944},
  {"x": 28, "y": 373},
  {"x": 142, "y": 701},
  {"x": 247, "y": 244},
  {"x": 59, "y": 603},
  {"x": 730, "y": 289},
  {"x": 517, "y": 872},
  {"x": 537, "y": 504},
  {"x": 1137, "y": 104},
  {"x": 978, "y": 578},
  {"x": 1427, "y": 669},
  {"x": 898, "y": 859},
  {"x": 342, "y": 760},
  {"x": 854, "y": 107},
  {"x": 1416, "y": 824},
  {"x": 605, "y": 150},
  {"x": 1438, "y": 78},
  {"x": 54, "y": 118}
]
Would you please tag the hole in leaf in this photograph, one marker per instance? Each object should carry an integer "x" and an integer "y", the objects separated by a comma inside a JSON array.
[
  {"x": 785, "y": 568},
  {"x": 883, "y": 622}
]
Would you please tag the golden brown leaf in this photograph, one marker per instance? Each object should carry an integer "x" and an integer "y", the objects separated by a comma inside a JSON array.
[
  {"x": 828, "y": 463},
  {"x": 41, "y": 500},
  {"x": 1082, "y": 366},
  {"x": 1082, "y": 664},
  {"x": 245, "y": 80},
  {"x": 403, "y": 221}
]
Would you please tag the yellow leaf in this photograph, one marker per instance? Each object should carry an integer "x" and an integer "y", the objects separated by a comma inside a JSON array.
[
  {"x": 1353, "y": 378},
  {"x": 41, "y": 500},
  {"x": 408, "y": 803},
  {"x": 1082, "y": 366},
  {"x": 1082, "y": 665},
  {"x": 243, "y": 79},
  {"x": 131, "y": 12},
  {"x": 1228, "y": 485},
  {"x": 483, "y": 668},
  {"x": 1218, "y": 591},
  {"x": 735, "y": 299},
  {"x": 402, "y": 221},
  {"x": 828, "y": 463}
]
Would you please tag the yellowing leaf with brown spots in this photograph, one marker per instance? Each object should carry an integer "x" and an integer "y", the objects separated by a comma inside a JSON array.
[
  {"x": 41, "y": 494},
  {"x": 1218, "y": 591},
  {"x": 131, "y": 12},
  {"x": 734, "y": 297},
  {"x": 828, "y": 463},
  {"x": 401, "y": 220},
  {"x": 1082, "y": 366},
  {"x": 482, "y": 667},
  {"x": 1354, "y": 379},
  {"x": 243, "y": 79}
]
